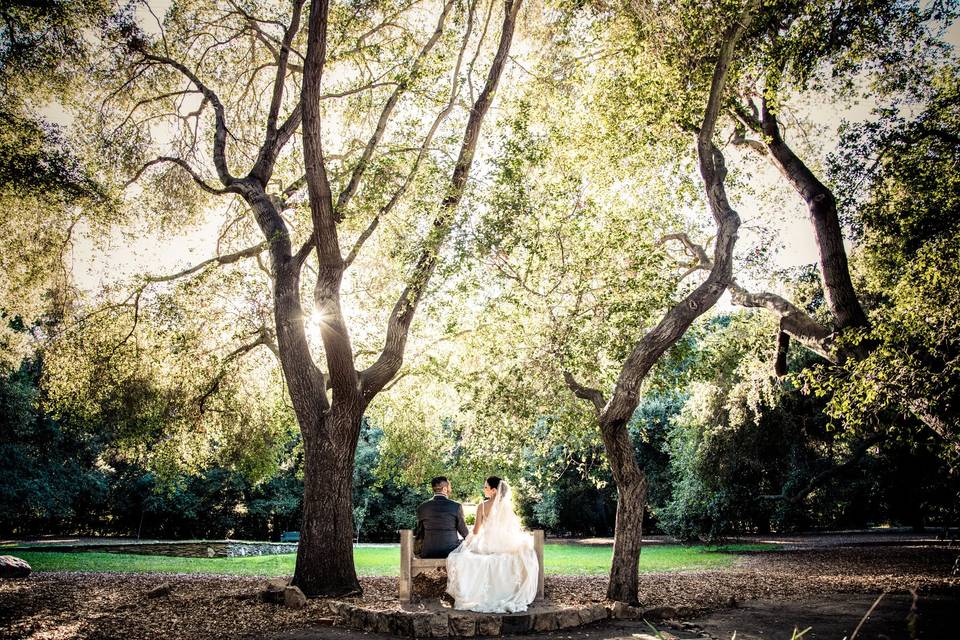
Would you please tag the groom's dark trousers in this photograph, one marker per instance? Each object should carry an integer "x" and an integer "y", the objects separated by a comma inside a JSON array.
[{"x": 438, "y": 523}]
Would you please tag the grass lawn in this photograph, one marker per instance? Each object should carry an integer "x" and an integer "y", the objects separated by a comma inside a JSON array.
[{"x": 562, "y": 559}]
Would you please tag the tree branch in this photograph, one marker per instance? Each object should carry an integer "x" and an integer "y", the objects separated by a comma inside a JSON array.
[
  {"x": 262, "y": 339},
  {"x": 595, "y": 396},
  {"x": 422, "y": 151},
  {"x": 676, "y": 321},
  {"x": 274, "y": 139},
  {"x": 344, "y": 198},
  {"x": 793, "y": 320},
  {"x": 822, "y": 207},
  {"x": 375, "y": 377},
  {"x": 229, "y": 258},
  {"x": 186, "y": 167},
  {"x": 220, "y": 137}
]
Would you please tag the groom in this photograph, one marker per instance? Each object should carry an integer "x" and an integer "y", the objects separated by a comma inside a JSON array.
[{"x": 438, "y": 522}]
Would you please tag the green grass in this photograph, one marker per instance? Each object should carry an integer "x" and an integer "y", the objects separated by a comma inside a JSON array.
[{"x": 561, "y": 559}]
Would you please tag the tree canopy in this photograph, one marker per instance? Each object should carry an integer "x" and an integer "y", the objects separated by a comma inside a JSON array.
[{"x": 458, "y": 236}]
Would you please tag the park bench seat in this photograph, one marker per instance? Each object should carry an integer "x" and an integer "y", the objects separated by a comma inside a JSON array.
[{"x": 411, "y": 565}]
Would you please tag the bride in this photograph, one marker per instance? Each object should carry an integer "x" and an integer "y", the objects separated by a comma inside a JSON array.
[{"x": 495, "y": 569}]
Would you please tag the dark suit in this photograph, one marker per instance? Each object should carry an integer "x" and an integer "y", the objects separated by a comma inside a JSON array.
[{"x": 438, "y": 522}]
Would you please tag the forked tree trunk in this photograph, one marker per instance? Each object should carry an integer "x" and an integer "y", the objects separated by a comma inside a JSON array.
[{"x": 331, "y": 427}]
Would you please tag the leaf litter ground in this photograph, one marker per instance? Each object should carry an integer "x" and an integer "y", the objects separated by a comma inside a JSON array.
[{"x": 55, "y": 605}]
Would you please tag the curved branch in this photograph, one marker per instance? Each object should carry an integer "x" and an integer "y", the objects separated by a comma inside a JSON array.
[
  {"x": 344, "y": 198},
  {"x": 274, "y": 138},
  {"x": 678, "y": 318},
  {"x": 228, "y": 258},
  {"x": 262, "y": 339},
  {"x": 421, "y": 152},
  {"x": 220, "y": 137},
  {"x": 186, "y": 167},
  {"x": 793, "y": 320},
  {"x": 595, "y": 396}
]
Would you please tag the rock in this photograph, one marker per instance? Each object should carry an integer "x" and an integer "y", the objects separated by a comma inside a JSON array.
[
  {"x": 274, "y": 591},
  {"x": 732, "y": 602},
  {"x": 294, "y": 598},
  {"x": 516, "y": 623},
  {"x": 594, "y": 613},
  {"x": 356, "y": 617},
  {"x": 401, "y": 624},
  {"x": 568, "y": 618},
  {"x": 464, "y": 626},
  {"x": 420, "y": 624},
  {"x": 545, "y": 621},
  {"x": 160, "y": 590},
  {"x": 439, "y": 624},
  {"x": 11, "y": 567},
  {"x": 660, "y": 613},
  {"x": 489, "y": 626},
  {"x": 622, "y": 611},
  {"x": 384, "y": 624},
  {"x": 371, "y": 620}
]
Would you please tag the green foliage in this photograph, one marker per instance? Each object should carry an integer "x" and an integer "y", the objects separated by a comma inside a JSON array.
[
  {"x": 48, "y": 472},
  {"x": 902, "y": 198},
  {"x": 736, "y": 455},
  {"x": 48, "y": 181},
  {"x": 381, "y": 503}
]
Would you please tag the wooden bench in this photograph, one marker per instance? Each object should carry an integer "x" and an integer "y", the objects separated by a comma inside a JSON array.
[{"x": 411, "y": 565}]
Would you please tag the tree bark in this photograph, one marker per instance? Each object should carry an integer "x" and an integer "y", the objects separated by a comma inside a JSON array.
[
  {"x": 822, "y": 207},
  {"x": 325, "y": 554},
  {"x": 631, "y": 501}
]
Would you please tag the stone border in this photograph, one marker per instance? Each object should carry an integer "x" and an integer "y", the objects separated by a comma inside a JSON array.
[
  {"x": 447, "y": 623},
  {"x": 175, "y": 548}
]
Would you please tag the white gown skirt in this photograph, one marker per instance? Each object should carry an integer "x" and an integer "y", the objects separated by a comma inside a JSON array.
[{"x": 493, "y": 582}]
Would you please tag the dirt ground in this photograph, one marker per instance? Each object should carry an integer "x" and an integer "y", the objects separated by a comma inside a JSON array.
[{"x": 772, "y": 591}]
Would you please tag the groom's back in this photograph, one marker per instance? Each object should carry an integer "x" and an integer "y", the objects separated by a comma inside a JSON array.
[{"x": 439, "y": 520}]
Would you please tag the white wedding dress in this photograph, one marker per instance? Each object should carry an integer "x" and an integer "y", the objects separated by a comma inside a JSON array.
[{"x": 495, "y": 570}]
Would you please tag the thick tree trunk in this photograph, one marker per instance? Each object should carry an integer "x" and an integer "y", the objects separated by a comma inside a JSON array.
[
  {"x": 631, "y": 500},
  {"x": 325, "y": 555}
]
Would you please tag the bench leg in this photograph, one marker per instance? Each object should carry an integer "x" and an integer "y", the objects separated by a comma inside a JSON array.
[
  {"x": 406, "y": 558},
  {"x": 538, "y": 546}
]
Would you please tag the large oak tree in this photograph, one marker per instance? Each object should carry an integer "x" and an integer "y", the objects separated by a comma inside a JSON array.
[{"x": 250, "y": 100}]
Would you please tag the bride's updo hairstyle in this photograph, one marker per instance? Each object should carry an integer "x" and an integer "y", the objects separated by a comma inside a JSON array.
[{"x": 493, "y": 482}]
